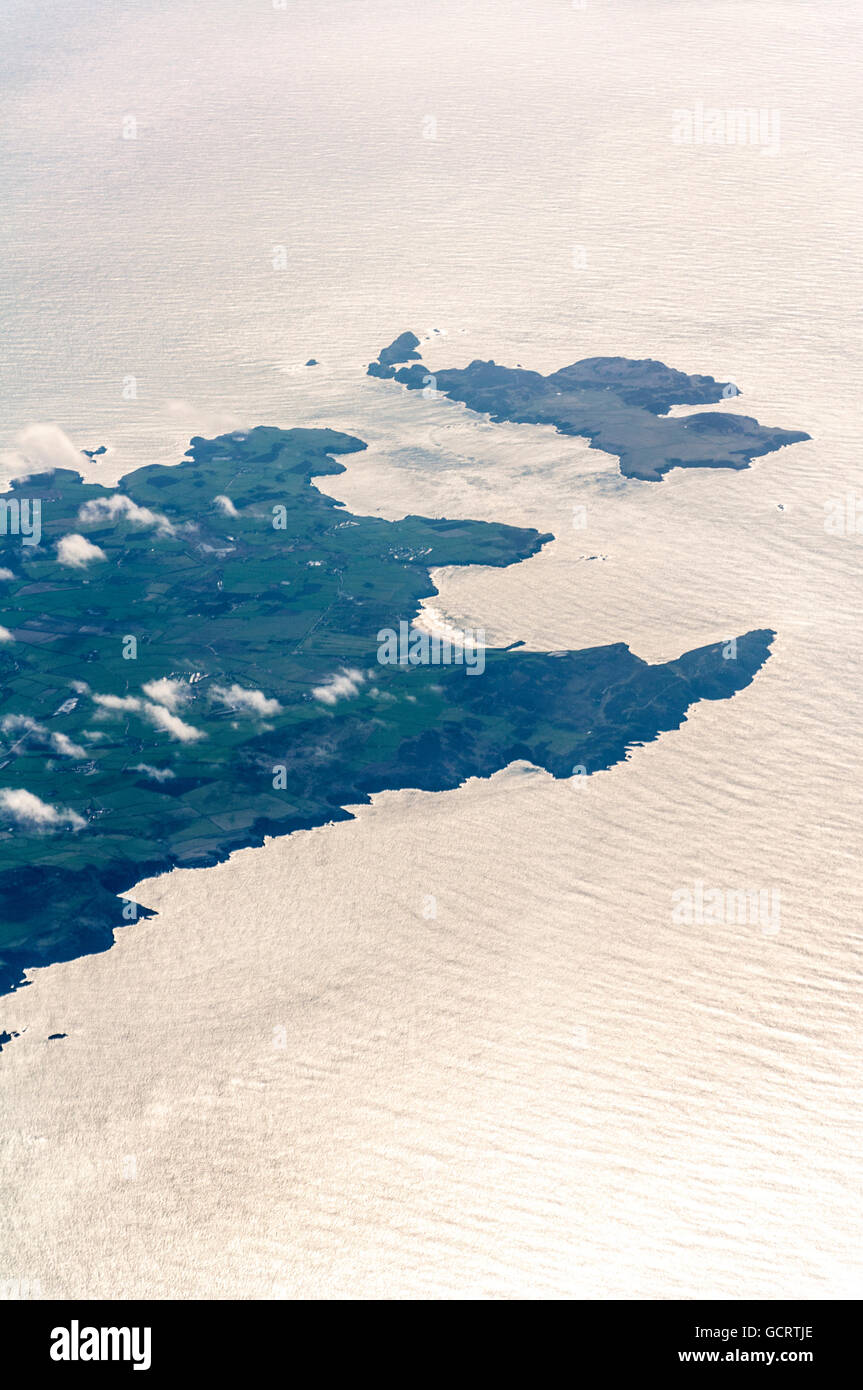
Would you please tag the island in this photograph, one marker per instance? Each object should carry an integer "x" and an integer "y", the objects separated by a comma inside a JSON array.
[
  {"x": 619, "y": 404},
  {"x": 204, "y": 656}
]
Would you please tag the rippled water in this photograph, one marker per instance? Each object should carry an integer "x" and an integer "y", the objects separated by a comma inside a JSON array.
[{"x": 460, "y": 1046}]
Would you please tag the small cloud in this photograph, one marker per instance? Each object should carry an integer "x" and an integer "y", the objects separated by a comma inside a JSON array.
[
  {"x": 121, "y": 506},
  {"x": 246, "y": 701},
  {"x": 21, "y": 723},
  {"x": 77, "y": 552},
  {"x": 156, "y": 774},
  {"x": 63, "y": 745},
  {"x": 42, "y": 448},
  {"x": 167, "y": 692},
  {"x": 60, "y": 743},
  {"x": 6, "y": 635},
  {"x": 344, "y": 686},
  {"x": 162, "y": 718},
  {"x": 6, "y": 574},
  {"x": 117, "y": 702},
  {"x": 29, "y": 811},
  {"x": 225, "y": 505}
]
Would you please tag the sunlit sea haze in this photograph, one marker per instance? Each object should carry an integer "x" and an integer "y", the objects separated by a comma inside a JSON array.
[{"x": 467, "y": 1044}]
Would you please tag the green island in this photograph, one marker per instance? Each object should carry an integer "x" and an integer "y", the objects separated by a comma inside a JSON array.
[
  {"x": 619, "y": 404},
  {"x": 190, "y": 662}
]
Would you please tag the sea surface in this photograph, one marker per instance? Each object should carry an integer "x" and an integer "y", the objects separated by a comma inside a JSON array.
[{"x": 463, "y": 1046}]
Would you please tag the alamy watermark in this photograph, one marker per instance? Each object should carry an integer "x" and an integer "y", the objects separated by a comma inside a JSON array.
[
  {"x": 843, "y": 516},
  {"x": 759, "y": 127},
  {"x": 19, "y": 1290},
  {"x": 77, "y": 1343},
  {"x": 21, "y": 516},
  {"x": 410, "y": 646},
  {"x": 707, "y": 907}
]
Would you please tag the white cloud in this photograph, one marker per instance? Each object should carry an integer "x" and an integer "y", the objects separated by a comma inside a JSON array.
[
  {"x": 167, "y": 692},
  {"x": 157, "y": 774},
  {"x": 28, "y": 810},
  {"x": 6, "y": 635},
  {"x": 157, "y": 714},
  {"x": 225, "y": 505},
  {"x": 118, "y": 702},
  {"x": 21, "y": 723},
  {"x": 162, "y": 718},
  {"x": 43, "y": 448},
  {"x": 6, "y": 574},
  {"x": 77, "y": 552},
  {"x": 60, "y": 743},
  {"x": 246, "y": 701},
  {"x": 119, "y": 505},
  {"x": 344, "y": 686},
  {"x": 63, "y": 745}
]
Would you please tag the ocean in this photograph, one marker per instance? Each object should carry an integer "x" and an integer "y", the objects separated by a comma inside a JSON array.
[{"x": 464, "y": 1046}]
